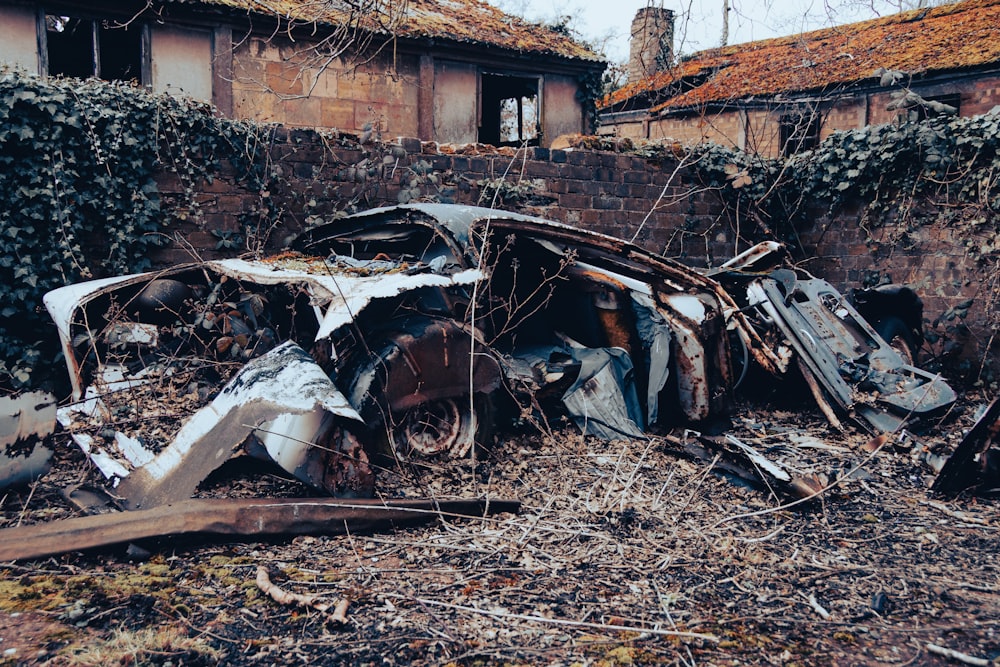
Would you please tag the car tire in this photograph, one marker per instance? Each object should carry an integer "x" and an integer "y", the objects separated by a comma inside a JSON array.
[{"x": 448, "y": 428}]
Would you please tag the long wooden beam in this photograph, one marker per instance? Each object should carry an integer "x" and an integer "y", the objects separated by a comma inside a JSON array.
[{"x": 255, "y": 517}]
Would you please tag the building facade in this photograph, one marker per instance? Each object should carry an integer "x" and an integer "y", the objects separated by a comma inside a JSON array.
[
  {"x": 455, "y": 71},
  {"x": 782, "y": 95}
]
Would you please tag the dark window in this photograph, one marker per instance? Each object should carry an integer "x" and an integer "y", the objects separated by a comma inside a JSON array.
[
  {"x": 937, "y": 105},
  {"x": 82, "y": 47},
  {"x": 509, "y": 110},
  {"x": 799, "y": 132}
]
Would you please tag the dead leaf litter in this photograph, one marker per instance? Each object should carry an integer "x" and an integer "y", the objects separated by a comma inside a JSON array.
[{"x": 624, "y": 553}]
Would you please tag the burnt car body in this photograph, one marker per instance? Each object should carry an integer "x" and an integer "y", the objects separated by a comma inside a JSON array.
[{"x": 404, "y": 332}]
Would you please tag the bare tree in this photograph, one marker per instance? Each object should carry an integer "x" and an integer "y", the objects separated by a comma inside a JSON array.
[{"x": 319, "y": 35}]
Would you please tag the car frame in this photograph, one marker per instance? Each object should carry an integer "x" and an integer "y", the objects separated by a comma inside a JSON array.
[{"x": 407, "y": 332}]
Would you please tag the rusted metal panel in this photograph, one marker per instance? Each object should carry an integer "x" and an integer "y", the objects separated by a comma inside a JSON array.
[
  {"x": 761, "y": 258},
  {"x": 862, "y": 375},
  {"x": 343, "y": 294},
  {"x": 974, "y": 465},
  {"x": 687, "y": 315},
  {"x": 338, "y": 290},
  {"x": 283, "y": 382},
  {"x": 63, "y": 303},
  {"x": 424, "y": 360},
  {"x": 26, "y": 417},
  {"x": 25, "y": 420}
]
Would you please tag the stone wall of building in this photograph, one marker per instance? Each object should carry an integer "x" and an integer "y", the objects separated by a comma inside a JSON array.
[{"x": 271, "y": 84}]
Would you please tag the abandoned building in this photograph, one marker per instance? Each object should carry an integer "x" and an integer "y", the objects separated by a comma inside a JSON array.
[
  {"x": 782, "y": 95},
  {"x": 456, "y": 71}
]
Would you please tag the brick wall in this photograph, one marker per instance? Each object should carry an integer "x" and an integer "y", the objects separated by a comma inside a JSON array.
[
  {"x": 613, "y": 193},
  {"x": 272, "y": 85},
  {"x": 623, "y": 195}
]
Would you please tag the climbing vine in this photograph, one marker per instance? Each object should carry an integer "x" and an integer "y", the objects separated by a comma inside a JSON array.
[
  {"x": 953, "y": 163},
  {"x": 590, "y": 89},
  {"x": 78, "y": 198},
  {"x": 900, "y": 177}
]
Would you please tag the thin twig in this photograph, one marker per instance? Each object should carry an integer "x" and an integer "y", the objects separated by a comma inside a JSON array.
[
  {"x": 817, "y": 607},
  {"x": 337, "y": 610},
  {"x": 957, "y": 655},
  {"x": 558, "y": 621}
]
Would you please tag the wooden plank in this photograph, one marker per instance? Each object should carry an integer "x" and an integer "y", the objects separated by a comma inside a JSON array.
[{"x": 254, "y": 517}]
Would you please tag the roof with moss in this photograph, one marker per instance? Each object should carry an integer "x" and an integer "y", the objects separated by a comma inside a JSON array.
[
  {"x": 957, "y": 36},
  {"x": 473, "y": 22}
]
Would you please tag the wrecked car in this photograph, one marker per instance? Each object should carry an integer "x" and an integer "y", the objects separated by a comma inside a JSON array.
[{"x": 411, "y": 332}]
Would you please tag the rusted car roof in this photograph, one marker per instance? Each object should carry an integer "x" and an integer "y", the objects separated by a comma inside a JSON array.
[
  {"x": 951, "y": 37},
  {"x": 468, "y": 21}
]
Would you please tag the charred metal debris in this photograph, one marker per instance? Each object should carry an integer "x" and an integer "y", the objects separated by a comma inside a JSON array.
[{"x": 415, "y": 331}]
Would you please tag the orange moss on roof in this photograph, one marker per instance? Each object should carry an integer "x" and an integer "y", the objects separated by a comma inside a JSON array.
[
  {"x": 469, "y": 21},
  {"x": 684, "y": 70},
  {"x": 950, "y": 37}
]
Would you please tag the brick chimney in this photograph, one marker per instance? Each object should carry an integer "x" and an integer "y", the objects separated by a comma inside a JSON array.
[{"x": 652, "y": 45}]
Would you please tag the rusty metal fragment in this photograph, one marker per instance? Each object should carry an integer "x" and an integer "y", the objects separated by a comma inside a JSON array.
[
  {"x": 857, "y": 370},
  {"x": 975, "y": 463},
  {"x": 267, "y": 399},
  {"x": 735, "y": 457},
  {"x": 236, "y": 518}
]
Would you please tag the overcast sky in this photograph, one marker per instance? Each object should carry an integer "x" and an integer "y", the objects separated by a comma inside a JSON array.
[{"x": 699, "y": 22}]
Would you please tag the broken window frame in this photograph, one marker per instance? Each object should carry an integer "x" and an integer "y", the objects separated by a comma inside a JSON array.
[
  {"x": 492, "y": 85},
  {"x": 104, "y": 48}
]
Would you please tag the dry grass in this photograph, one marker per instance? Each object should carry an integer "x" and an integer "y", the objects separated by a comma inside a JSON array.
[
  {"x": 623, "y": 554},
  {"x": 141, "y": 646}
]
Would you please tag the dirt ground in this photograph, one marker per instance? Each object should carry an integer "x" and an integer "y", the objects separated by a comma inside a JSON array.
[{"x": 623, "y": 553}]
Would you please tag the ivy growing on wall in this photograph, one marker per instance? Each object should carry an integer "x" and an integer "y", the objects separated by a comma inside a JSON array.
[
  {"x": 951, "y": 162},
  {"x": 78, "y": 198},
  {"x": 589, "y": 90},
  {"x": 943, "y": 171},
  {"x": 886, "y": 165}
]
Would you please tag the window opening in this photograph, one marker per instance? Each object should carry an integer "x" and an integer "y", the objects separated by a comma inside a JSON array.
[
  {"x": 510, "y": 110},
  {"x": 81, "y": 47},
  {"x": 799, "y": 132},
  {"x": 934, "y": 107}
]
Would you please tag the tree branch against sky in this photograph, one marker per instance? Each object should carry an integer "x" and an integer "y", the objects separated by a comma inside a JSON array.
[{"x": 699, "y": 23}]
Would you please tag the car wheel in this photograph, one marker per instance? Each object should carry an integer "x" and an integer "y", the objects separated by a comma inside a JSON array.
[
  {"x": 448, "y": 427},
  {"x": 413, "y": 390}
]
